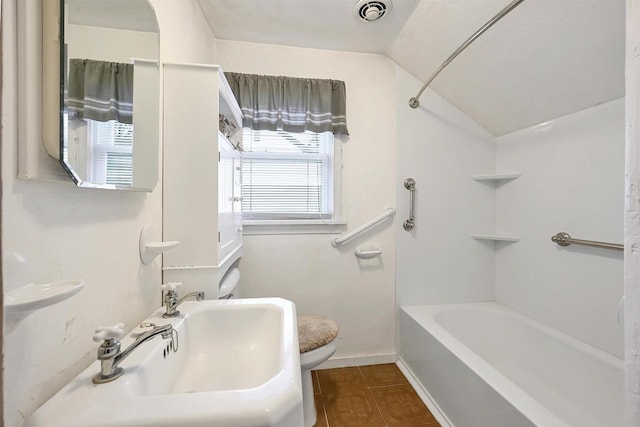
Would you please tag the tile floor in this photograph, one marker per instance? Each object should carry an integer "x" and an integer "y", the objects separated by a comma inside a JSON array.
[{"x": 368, "y": 396}]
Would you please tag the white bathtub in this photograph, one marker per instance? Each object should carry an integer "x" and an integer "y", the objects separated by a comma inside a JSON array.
[{"x": 483, "y": 365}]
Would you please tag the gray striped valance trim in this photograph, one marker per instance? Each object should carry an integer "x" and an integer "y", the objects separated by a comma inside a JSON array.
[
  {"x": 100, "y": 90},
  {"x": 290, "y": 104}
]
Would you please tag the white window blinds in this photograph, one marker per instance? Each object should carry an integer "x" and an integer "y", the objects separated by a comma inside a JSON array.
[
  {"x": 111, "y": 152},
  {"x": 287, "y": 175}
]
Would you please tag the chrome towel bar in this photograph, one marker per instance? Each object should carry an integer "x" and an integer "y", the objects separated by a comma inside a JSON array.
[
  {"x": 564, "y": 239},
  {"x": 358, "y": 231}
]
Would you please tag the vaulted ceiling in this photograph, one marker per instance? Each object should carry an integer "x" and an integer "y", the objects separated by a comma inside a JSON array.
[{"x": 546, "y": 59}]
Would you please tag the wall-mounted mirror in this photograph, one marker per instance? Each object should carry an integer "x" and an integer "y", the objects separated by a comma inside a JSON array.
[{"x": 109, "y": 121}]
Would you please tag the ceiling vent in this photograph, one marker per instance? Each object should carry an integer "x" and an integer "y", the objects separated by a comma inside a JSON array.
[{"x": 372, "y": 10}]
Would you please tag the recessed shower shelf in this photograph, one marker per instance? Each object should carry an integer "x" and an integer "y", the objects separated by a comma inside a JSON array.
[
  {"x": 496, "y": 237},
  {"x": 496, "y": 177}
]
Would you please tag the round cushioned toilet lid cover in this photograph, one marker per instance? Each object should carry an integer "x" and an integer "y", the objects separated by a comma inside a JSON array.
[{"x": 314, "y": 331}]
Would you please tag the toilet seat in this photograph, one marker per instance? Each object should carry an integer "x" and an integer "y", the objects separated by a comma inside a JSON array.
[
  {"x": 317, "y": 337},
  {"x": 314, "y": 331}
]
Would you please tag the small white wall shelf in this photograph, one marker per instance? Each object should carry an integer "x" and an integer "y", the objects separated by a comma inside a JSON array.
[
  {"x": 32, "y": 297},
  {"x": 149, "y": 247},
  {"x": 496, "y": 177},
  {"x": 496, "y": 237}
]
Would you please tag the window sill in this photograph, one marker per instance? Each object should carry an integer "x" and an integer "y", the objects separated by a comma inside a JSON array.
[{"x": 313, "y": 226}]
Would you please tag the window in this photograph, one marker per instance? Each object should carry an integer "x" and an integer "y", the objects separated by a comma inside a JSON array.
[
  {"x": 291, "y": 178},
  {"x": 110, "y": 152},
  {"x": 287, "y": 176}
]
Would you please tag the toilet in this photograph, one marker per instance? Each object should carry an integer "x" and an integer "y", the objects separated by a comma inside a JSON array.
[{"x": 317, "y": 336}]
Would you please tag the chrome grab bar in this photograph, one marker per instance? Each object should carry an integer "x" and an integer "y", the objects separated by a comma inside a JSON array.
[
  {"x": 375, "y": 221},
  {"x": 409, "y": 224},
  {"x": 564, "y": 239}
]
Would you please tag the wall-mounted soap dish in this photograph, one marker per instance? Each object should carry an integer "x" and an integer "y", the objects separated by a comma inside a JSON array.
[
  {"x": 32, "y": 297},
  {"x": 150, "y": 247},
  {"x": 367, "y": 252}
]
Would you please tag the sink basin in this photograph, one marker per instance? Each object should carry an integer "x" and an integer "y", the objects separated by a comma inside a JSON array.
[
  {"x": 236, "y": 365},
  {"x": 234, "y": 347}
]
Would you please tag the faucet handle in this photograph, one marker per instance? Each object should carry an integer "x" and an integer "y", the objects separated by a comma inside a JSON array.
[
  {"x": 171, "y": 286},
  {"x": 109, "y": 332}
]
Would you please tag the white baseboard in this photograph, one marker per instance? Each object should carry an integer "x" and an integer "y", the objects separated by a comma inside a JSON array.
[
  {"x": 424, "y": 394},
  {"x": 357, "y": 360}
]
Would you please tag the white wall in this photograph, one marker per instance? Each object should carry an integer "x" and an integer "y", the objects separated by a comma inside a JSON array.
[
  {"x": 185, "y": 35},
  {"x": 71, "y": 233},
  {"x": 441, "y": 148},
  {"x": 306, "y": 268},
  {"x": 108, "y": 44},
  {"x": 632, "y": 218},
  {"x": 572, "y": 181}
]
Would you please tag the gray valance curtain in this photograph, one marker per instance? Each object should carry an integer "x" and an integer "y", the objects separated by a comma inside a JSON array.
[
  {"x": 100, "y": 90},
  {"x": 291, "y": 104}
]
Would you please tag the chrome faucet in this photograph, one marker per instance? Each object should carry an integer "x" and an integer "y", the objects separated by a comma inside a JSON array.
[
  {"x": 109, "y": 353},
  {"x": 171, "y": 301}
]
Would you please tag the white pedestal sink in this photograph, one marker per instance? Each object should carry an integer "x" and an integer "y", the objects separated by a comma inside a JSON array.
[{"x": 237, "y": 365}]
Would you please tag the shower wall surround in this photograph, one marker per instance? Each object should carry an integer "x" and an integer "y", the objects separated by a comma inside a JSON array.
[
  {"x": 67, "y": 232},
  {"x": 572, "y": 181},
  {"x": 441, "y": 148}
]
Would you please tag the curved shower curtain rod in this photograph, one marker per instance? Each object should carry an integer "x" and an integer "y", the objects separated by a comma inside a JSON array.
[{"x": 414, "y": 102}]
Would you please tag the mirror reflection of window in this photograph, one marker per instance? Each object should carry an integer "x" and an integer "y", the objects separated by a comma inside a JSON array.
[
  {"x": 99, "y": 152},
  {"x": 109, "y": 44},
  {"x": 110, "y": 152},
  {"x": 99, "y": 104}
]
